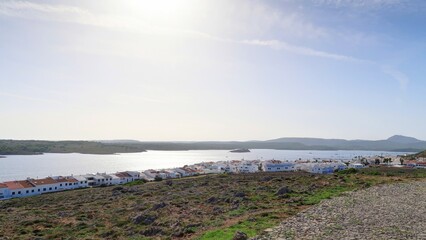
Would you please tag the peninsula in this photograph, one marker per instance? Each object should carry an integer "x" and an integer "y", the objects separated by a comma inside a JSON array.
[{"x": 26, "y": 147}]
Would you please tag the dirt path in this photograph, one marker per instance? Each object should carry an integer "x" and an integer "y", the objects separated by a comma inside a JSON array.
[{"x": 395, "y": 211}]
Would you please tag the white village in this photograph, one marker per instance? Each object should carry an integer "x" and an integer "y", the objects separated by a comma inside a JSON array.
[{"x": 31, "y": 187}]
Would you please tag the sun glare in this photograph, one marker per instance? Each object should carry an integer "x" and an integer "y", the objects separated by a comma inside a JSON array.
[{"x": 164, "y": 12}]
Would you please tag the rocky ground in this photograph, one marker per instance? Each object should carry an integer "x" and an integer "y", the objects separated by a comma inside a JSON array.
[
  {"x": 396, "y": 211},
  {"x": 212, "y": 207}
]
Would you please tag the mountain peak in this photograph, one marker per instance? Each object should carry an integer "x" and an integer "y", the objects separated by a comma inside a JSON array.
[{"x": 403, "y": 139}]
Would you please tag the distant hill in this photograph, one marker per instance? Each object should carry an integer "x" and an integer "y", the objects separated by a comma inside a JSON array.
[
  {"x": 395, "y": 143},
  {"x": 403, "y": 139},
  {"x": 119, "y": 141},
  {"x": 31, "y": 147}
]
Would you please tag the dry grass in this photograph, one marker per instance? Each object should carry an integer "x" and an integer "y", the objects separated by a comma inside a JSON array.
[{"x": 206, "y": 207}]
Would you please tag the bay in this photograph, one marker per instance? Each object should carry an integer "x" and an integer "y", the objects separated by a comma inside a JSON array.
[{"x": 17, "y": 167}]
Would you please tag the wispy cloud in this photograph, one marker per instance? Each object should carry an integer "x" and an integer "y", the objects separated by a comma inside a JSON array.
[
  {"x": 57, "y": 13},
  {"x": 395, "y": 74},
  {"x": 281, "y": 45},
  {"x": 26, "y": 9},
  {"x": 27, "y": 98},
  {"x": 262, "y": 17},
  {"x": 399, "y": 76},
  {"x": 16, "y": 6},
  {"x": 366, "y": 4},
  {"x": 267, "y": 16}
]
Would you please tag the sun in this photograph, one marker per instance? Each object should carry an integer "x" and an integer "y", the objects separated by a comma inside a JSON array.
[{"x": 162, "y": 11}]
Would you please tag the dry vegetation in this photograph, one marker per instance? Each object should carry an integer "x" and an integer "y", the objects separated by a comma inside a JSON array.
[{"x": 205, "y": 207}]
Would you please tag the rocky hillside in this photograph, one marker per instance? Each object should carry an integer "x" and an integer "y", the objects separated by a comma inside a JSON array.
[
  {"x": 421, "y": 154},
  {"x": 206, "y": 207},
  {"x": 367, "y": 214}
]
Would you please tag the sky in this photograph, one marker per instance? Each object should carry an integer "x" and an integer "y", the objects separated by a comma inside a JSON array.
[{"x": 159, "y": 70}]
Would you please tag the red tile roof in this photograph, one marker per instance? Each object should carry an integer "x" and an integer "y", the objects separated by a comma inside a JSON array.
[
  {"x": 44, "y": 181},
  {"x": 72, "y": 180},
  {"x": 61, "y": 180},
  {"x": 2, "y": 185},
  {"x": 122, "y": 174},
  {"x": 18, "y": 184}
]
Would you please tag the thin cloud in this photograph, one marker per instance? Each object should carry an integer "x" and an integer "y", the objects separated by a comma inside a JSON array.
[
  {"x": 399, "y": 76},
  {"x": 65, "y": 13},
  {"x": 14, "y": 6},
  {"x": 27, "y": 98},
  {"x": 365, "y": 4},
  {"x": 55, "y": 12},
  {"x": 281, "y": 45},
  {"x": 26, "y": 9}
]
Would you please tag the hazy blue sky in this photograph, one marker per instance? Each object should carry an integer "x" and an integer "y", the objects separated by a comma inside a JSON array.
[{"x": 212, "y": 70}]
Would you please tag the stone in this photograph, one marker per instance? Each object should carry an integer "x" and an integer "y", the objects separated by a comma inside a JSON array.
[
  {"x": 144, "y": 219},
  {"x": 159, "y": 206},
  {"x": 240, "y": 236},
  {"x": 283, "y": 191}
]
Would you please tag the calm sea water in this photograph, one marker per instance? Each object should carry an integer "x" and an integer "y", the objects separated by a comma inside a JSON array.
[{"x": 20, "y": 167}]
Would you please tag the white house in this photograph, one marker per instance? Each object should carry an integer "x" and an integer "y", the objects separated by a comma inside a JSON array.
[
  {"x": 356, "y": 165},
  {"x": 247, "y": 167},
  {"x": 21, "y": 189},
  {"x": 100, "y": 180},
  {"x": 82, "y": 181},
  {"x": 45, "y": 185},
  {"x": 278, "y": 166},
  {"x": 214, "y": 168},
  {"x": 322, "y": 168},
  {"x": 112, "y": 179},
  {"x": 185, "y": 172},
  {"x": 124, "y": 177},
  {"x": 134, "y": 174},
  {"x": 338, "y": 166},
  {"x": 164, "y": 174},
  {"x": 226, "y": 167},
  {"x": 151, "y": 174},
  {"x": 4, "y": 191},
  {"x": 66, "y": 183},
  {"x": 172, "y": 173},
  {"x": 92, "y": 180}
]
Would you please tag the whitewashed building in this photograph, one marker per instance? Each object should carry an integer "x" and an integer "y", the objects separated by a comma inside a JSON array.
[
  {"x": 278, "y": 166},
  {"x": 4, "y": 191},
  {"x": 66, "y": 183},
  {"x": 185, "y": 172},
  {"x": 356, "y": 165},
  {"x": 82, "y": 181},
  {"x": 214, "y": 168},
  {"x": 134, "y": 175},
  {"x": 321, "y": 168},
  {"x": 338, "y": 166},
  {"x": 22, "y": 188},
  {"x": 45, "y": 185},
  {"x": 247, "y": 167},
  {"x": 124, "y": 177},
  {"x": 112, "y": 179},
  {"x": 151, "y": 174}
]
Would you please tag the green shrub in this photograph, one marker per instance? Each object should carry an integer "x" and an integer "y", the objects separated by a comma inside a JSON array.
[{"x": 349, "y": 171}]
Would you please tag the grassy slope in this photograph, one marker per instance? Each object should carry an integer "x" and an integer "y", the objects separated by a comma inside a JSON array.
[
  {"x": 207, "y": 207},
  {"x": 421, "y": 154},
  {"x": 417, "y": 155}
]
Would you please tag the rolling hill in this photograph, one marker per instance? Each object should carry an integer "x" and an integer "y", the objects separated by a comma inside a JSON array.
[{"x": 395, "y": 143}]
